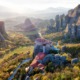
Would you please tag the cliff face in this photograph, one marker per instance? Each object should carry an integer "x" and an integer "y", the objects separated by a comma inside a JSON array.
[
  {"x": 74, "y": 12},
  {"x": 2, "y": 39},
  {"x": 2, "y": 29},
  {"x": 57, "y": 25},
  {"x": 28, "y": 26},
  {"x": 73, "y": 20},
  {"x": 3, "y": 34}
]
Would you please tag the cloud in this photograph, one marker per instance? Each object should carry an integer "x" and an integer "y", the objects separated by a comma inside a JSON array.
[
  {"x": 38, "y": 4},
  {"x": 40, "y": 1}
]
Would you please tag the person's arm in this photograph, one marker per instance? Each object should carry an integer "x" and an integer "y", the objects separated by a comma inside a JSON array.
[{"x": 44, "y": 49}]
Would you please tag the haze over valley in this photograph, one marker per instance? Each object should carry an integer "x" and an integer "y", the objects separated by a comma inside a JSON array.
[{"x": 39, "y": 40}]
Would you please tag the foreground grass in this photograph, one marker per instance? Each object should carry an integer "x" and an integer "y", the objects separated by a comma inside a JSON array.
[
  {"x": 11, "y": 60},
  {"x": 70, "y": 72},
  {"x": 19, "y": 50}
]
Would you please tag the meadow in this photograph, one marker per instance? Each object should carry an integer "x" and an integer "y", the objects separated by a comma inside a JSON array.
[
  {"x": 11, "y": 59},
  {"x": 69, "y": 72}
]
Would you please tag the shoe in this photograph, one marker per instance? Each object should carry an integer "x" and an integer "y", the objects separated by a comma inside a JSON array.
[{"x": 27, "y": 69}]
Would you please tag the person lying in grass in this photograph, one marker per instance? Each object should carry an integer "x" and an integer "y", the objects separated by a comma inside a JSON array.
[
  {"x": 42, "y": 48},
  {"x": 41, "y": 61},
  {"x": 45, "y": 46}
]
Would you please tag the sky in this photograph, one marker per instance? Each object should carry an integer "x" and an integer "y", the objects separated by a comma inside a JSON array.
[{"x": 30, "y": 5}]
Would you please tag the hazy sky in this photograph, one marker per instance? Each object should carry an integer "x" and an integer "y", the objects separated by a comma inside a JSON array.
[{"x": 21, "y": 5}]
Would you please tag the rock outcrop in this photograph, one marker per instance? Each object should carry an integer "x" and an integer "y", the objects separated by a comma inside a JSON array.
[
  {"x": 58, "y": 24},
  {"x": 73, "y": 20},
  {"x": 30, "y": 30},
  {"x": 2, "y": 39},
  {"x": 3, "y": 34}
]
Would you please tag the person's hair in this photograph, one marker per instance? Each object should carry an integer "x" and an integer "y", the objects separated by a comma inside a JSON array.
[{"x": 44, "y": 44}]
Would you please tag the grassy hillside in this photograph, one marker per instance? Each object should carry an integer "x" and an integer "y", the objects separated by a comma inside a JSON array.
[
  {"x": 17, "y": 49},
  {"x": 11, "y": 60},
  {"x": 69, "y": 72},
  {"x": 11, "y": 56},
  {"x": 54, "y": 36}
]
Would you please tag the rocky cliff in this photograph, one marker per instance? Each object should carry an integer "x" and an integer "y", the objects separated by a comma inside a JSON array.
[
  {"x": 3, "y": 34},
  {"x": 73, "y": 21},
  {"x": 30, "y": 29}
]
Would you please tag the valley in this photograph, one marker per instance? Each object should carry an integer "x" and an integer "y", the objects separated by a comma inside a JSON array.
[{"x": 18, "y": 42}]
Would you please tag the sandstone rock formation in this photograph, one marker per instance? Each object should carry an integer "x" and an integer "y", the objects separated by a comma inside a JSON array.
[
  {"x": 3, "y": 33},
  {"x": 30, "y": 30},
  {"x": 57, "y": 25},
  {"x": 2, "y": 39},
  {"x": 73, "y": 19},
  {"x": 60, "y": 22}
]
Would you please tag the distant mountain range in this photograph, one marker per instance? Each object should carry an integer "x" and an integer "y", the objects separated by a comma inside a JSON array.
[
  {"x": 43, "y": 14},
  {"x": 37, "y": 17},
  {"x": 17, "y": 22},
  {"x": 50, "y": 13}
]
